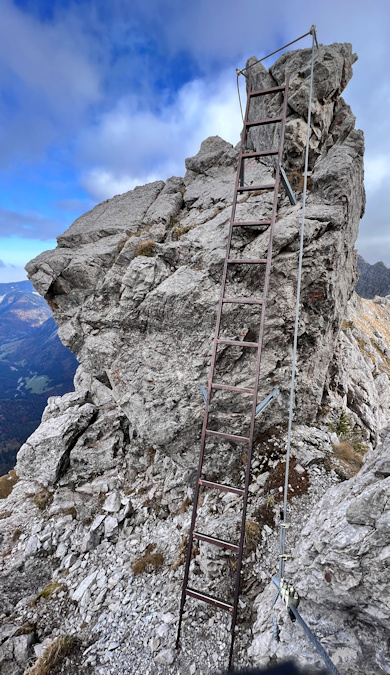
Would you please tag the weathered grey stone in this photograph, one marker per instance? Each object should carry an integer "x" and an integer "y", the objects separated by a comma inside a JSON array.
[
  {"x": 32, "y": 545},
  {"x": 112, "y": 503},
  {"x": 110, "y": 526},
  {"x": 53, "y": 440},
  {"x": 125, "y": 337},
  {"x": 142, "y": 328},
  {"x": 166, "y": 657},
  {"x": 14, "y": 654},
  {"x": 342, "y": 556},
  {"x": 82, "y": 587}
]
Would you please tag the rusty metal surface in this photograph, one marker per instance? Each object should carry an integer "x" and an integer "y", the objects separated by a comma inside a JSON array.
[{"x": 212, "y": 386}]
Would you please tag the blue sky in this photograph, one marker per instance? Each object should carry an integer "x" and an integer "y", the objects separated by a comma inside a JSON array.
[{"x": 97, "y": 97}]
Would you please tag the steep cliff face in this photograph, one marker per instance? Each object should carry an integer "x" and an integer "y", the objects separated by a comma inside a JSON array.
[{"x": 133, "y": 285}]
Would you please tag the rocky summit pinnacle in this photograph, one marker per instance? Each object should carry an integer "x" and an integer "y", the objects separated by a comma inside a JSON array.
[
  {"x": 102, "y": 504},
  {"x": 373, "y": 279}
]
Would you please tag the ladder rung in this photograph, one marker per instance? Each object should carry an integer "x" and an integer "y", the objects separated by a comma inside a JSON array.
[
  {"x": 252, "y": 188},
  {"x": 209, "y": 599},
  {"x": 216, "y": 542},
  {"x": 243, "y": 301},
  {"x": 267, "y": 120},
  {"x": 219, "y": 486},
  {"x": 228, "y": 437},
  {"x": 260, "y": 153},
  {"x": 229, "y": 387},
  {"x": 252, "y": 223},
  {"x": 237, "y": 343},
  {"x": 267, "y": 91},
  {"x": 249, "y": 261}
]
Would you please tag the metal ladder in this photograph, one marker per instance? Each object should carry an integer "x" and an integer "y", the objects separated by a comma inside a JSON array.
[{"x": 212, "y": 385}]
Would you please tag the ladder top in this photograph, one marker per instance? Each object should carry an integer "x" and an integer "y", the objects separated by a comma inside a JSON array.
[{"x": 272, "y": 90}]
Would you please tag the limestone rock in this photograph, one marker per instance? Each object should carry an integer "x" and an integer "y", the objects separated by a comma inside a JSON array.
[
  {"x": 134, "y": 286},
  {"x": 53, "y": 440},
  {"x": 116, "y": 313},
  {"x": 339, "y": 569},
  {"x": 112, "y": 503},
  {"x": 81, "y": 589}
]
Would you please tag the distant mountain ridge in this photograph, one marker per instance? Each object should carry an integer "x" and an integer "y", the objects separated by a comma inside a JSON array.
[
  {"x": 374, "y": 279},
  {"x": 25, "y": 286},
  {"x": 34, "y": 364}
]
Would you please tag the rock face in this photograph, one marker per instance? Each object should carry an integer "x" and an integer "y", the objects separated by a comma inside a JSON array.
[
  {"x": 358, "y": 378},
  {"x": 345, "y": 542},
  {"x": 107, "y": 480},
  {"x": 133, "y": 284},
  {"x": 373, "y": 280}
]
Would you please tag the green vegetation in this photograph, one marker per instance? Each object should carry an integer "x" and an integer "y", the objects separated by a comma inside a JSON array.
[
  {"x": 38, "y": 384},
  {"x": 346, "y": 430},
  {"x": 48, "y": 591}
]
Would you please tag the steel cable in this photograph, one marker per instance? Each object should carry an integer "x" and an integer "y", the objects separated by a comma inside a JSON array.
[
  {"x": 325, "y": 657},
  {"x": 294, "y": 358},
  {"x": 310, "y": 32}
]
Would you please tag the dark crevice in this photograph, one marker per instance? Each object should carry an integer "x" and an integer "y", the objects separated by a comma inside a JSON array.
[{"x": 65, "y": 459}]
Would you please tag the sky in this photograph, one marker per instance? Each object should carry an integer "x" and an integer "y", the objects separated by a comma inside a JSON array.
[{"x": 97, "y": 97}]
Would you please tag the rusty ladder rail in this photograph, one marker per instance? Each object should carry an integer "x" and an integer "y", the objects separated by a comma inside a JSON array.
[{"x": 187, "y": 591}]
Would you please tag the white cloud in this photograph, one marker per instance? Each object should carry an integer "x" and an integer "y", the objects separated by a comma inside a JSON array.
[
  {"x": 47, "y": 57},
  {"x": 376, "y": 170},
  {"x": 29, "y": 225},
  {"x": 103, "y": 184},
  {"x": 9, "y": 273},
  {"x": 130, "y": 145}
]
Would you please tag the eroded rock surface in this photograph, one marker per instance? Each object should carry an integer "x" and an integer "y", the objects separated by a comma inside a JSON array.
[
  {"x": 345, "y": 543},
  {"x": 106, "y": 482},
  {"x": 142, "y": 324}
]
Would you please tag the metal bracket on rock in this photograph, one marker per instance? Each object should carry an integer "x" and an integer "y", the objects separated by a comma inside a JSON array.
[
  {"x": 260, "y": 408},
  {"x": 287, "y": 187}
]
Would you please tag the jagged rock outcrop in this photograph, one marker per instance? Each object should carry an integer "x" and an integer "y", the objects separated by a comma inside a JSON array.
[
  {"x": 106, "y": 481},
  {"x": 373, "y": 279},
  {"x": 358, "y": 377},
  {"x": 345, "y": 542},
  {"x": 133, "y": 284}
]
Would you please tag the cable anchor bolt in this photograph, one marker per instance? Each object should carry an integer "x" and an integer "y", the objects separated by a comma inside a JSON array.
[
  {"x": 285, "y": 556},
  {"x": 289, "y": 596},
  {"x": 285, "y": 525}
]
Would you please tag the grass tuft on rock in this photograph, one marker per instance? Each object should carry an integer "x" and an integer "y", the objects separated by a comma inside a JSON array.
[
  {"x": 149, "y": 560},
  {"x": 179, "y": 231},
  {"x": 184, "y": 505},
  {"x": 48, "y": 590},
  {"x": 252, "y": 534},
  {"x": 42, "y": 499},
  {"x": 7, "y": 483},
  {"x": 54, "y": 653},
  {"x": 146, "y": 248}
]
